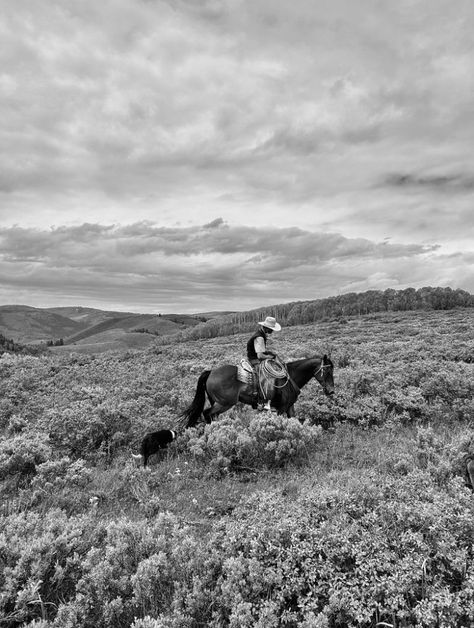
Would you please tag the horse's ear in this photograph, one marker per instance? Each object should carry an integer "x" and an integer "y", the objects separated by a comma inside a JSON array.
[{"x": 325, "y": 357}]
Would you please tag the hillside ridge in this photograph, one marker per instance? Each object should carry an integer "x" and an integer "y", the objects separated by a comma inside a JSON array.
[
  {"x": 337, "y": 307},
  {"x": 27, "y": 324}
]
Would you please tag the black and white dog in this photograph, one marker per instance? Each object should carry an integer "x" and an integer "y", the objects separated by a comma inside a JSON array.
[{"x": 152, "y": 443}]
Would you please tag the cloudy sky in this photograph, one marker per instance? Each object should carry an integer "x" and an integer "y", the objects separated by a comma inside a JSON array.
[{"x": 193, "y": 155}]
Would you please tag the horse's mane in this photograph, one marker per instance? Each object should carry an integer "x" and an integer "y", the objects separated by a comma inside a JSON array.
[{"x": 307, "y": 359}]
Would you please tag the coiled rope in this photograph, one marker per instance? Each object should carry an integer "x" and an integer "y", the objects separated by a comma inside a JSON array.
[{"x": 271, "y": 369}]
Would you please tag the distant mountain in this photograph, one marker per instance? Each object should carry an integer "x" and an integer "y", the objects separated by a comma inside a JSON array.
[
  {"x": 80, "y": 325},
  {"x": 74, "y": 325},
  {"x": 145, "y": 323},
  {"x": 29, "y": 324}
]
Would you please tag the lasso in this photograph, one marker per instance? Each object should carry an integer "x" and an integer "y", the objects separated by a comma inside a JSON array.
[{"x": 273, "y": 368}]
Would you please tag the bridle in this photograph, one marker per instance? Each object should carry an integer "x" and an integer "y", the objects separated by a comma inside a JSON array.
[
  {"x": 321, "y": 368},
  {"x": 323, "y": 382}
]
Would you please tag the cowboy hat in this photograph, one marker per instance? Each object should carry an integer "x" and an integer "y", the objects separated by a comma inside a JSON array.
[{"x": 271, "y": 323}]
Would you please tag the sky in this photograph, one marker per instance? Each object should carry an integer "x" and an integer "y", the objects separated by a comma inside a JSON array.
[{"x": 197, "y": 155}]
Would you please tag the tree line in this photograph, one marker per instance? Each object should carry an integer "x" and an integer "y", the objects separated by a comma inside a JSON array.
[
  {"x": 8, "y": 345},
  {"x": 338, "y": 307}
]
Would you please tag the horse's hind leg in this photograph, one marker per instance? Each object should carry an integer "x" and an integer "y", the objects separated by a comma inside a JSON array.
[{"x": 216, "y": 409}]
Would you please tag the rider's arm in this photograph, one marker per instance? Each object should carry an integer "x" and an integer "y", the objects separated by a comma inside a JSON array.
[{"x": 261, "y": 350}]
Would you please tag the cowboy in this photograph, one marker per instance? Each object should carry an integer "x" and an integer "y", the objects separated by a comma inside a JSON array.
[{"x": 257, "y": 350}]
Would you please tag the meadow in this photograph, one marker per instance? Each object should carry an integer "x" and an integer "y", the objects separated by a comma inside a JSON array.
[{"x": 357, "y": 513}]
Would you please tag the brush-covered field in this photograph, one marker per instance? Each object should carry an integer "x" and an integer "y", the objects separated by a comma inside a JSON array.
[{"x": 357, "y": 514}]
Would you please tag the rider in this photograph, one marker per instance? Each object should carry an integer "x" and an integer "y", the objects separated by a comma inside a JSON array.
[{"x": 257, "y": 346}]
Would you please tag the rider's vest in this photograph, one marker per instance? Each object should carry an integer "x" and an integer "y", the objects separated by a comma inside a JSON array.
[{"x": 251, "y": 353}]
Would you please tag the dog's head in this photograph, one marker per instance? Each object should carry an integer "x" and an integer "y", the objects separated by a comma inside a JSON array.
[{"x": 138, "y": 459}]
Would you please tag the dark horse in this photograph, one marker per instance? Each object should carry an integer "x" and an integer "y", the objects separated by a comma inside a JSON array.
[{"x": 224, "y": 390}]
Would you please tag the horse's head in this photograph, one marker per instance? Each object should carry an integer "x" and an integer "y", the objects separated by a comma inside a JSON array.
[{"x": 324, "y": 375}]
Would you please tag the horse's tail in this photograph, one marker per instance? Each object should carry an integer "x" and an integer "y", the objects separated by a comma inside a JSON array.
[{"x": 191, "y": 415}]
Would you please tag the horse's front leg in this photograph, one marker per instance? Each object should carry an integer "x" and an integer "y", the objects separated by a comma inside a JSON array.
[
  {"x": 207, "y": 414},
  {"x": 246, "y": 396},
  {"x": 290, "y": 413}
]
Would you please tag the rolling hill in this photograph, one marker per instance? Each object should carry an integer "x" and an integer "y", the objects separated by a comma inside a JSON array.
[
  {"x": 154, "y": 325},
  {"x": 108, "y": 340},
  {"x": 73, "y": 325},
  {"x": 87, "y": 316},
  {"x": 29, "y": 324}
]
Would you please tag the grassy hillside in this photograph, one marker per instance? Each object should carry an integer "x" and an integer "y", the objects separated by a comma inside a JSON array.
[
  {"x": 129, "y": 332},
  {"x": 28, "y": 324},
  {"x": 76, "y": 324},
  {"x": 104, "y": 341},
  {"x": 358, "y": 516},
  {"x": 337, "y": 307},
  {"x": 87, "y": 316}
]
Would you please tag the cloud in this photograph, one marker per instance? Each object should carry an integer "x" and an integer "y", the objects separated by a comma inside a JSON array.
[
  {"x": 324, "y": 133},
  {"x": 134, "y": 100},
  {"x": 90, "y": 245},
  {"x": 218, "y": 222},
  {"x": 448, "y": 182},
  {"x": 240, "y": 266}
]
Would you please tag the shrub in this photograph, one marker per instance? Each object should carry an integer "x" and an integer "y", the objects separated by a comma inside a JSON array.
[
  {"x": 87, "y": 431},
  {"x": 78, "y": 572},
  {"x": 42, "y": 558},
  {"x": 398, "y": 551},
  {"x": 62, "y": 482},
  {"x": 21, "y": 454},
  {"x": 265, "y": 441}
]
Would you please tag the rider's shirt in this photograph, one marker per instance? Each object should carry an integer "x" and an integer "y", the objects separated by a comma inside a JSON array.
[{"x": 259, "y": 345}]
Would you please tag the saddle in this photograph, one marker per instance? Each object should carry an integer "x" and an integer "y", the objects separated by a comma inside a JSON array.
[
  {"x": 250, "y": 376},
  {"x": 269, "y": 380},
  {"x": 262, "y": 378}
]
